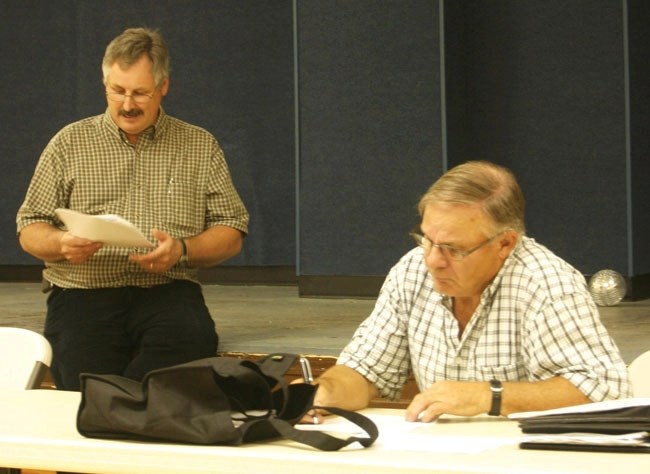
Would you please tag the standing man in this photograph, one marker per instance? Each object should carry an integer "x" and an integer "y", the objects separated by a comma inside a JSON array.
[
  {"x": 118, "y": 310},
  {"x": 485, "y": 318}
]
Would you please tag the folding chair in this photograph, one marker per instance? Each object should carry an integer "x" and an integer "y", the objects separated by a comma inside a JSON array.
[{"x": 24, "y": 358}]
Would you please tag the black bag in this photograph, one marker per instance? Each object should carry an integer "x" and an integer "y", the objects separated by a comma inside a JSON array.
[{"x": 219, "y": 400}]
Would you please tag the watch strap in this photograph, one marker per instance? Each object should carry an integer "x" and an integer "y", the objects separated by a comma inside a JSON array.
[
  {"x": 183, "y": 261},
  {"x": 497, "y": 389}
]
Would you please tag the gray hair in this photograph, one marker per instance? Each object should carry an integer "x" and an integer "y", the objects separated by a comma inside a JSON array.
[
  {"x": 127, "y": 48},
  {"x": 493, "y": 187}
]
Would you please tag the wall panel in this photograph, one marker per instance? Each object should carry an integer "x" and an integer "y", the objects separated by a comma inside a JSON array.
[{"x": 370, "y": 135}]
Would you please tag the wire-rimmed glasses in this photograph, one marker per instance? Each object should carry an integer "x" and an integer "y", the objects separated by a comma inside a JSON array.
[{"x": 448, "y": 251}]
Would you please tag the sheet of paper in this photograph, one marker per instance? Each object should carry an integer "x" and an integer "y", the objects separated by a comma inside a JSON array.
[
  {"x": 586, "y": 408},
  {"x": 110, "y": 229},
  {"x": 397, "y": 434}
]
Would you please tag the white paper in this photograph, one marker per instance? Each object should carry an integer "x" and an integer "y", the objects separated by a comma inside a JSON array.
[
  {"x": 639, "y": 439},
  {"x": 586, "y": 408},
  {"x": 397, "y": 434},
  {"x": 109, "y": 229}
]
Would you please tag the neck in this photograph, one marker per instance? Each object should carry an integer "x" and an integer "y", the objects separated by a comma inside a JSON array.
[
  {"x": 132, "y": 139},
  {"x": 463, "y": 309}
]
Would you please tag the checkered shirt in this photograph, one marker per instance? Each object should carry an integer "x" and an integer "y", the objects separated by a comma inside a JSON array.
[
  {"x": 535, "y": 320},
  {"x": 174, "y": 179}
]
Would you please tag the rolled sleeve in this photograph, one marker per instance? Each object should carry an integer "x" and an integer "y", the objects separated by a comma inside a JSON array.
[
  {"x": 378, "y": 349},
  {"x": 571, "y": 342}
]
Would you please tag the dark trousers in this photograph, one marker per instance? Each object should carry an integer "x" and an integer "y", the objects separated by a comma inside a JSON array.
[{"x": 126, "y": 331}]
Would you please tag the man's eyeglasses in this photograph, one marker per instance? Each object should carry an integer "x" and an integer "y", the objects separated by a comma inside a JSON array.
[
  {"x": 447, "y": 251},
  {"x": 137, "y": 98}
]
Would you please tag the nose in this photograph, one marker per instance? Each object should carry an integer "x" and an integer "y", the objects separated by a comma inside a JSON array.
[
  {"x": 128, "y": 103},
  {"x": 435, "y": 258}
]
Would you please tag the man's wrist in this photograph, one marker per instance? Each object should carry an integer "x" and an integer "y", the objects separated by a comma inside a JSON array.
[
  {"x": 183, "y": 261},
  {"x": 496, "y": 390}
]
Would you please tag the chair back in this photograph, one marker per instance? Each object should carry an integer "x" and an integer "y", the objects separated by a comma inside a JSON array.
[
  {"x": 24, "y": 358},
  {"x": 639, "y": 371}
]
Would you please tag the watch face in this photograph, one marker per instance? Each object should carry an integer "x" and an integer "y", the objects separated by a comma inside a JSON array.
[{"x": 496, "y": 386}]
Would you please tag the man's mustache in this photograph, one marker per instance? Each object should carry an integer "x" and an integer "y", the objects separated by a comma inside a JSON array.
[{"x": 131, "y": 113}]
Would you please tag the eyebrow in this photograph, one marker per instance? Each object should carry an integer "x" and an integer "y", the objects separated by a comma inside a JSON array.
[{"x": 446, "y": 244}]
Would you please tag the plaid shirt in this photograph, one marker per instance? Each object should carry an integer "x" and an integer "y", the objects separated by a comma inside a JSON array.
[
  {"x": 535, "y": 320},
  {"x": 174, "y": 179}
]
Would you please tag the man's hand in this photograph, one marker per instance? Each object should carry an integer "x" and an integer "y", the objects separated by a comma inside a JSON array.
[
  {"x": 163, "y": 257},
  {"x": 452, "y": 397},
  {"x": 77, "y": 250},
  {"x": 341, "y": 387},
  {"x": 475, "y": 398}
]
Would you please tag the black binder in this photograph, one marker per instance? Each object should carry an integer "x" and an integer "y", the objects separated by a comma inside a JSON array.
[{"x": 573, "y": 428}]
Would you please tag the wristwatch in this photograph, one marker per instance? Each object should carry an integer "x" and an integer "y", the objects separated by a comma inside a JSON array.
[
  {"x": 183, "y": 261},
  {"x": 496, "y": 388}
]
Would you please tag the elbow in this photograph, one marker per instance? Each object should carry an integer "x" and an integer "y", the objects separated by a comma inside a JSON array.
[{"x": 237, "y": 243}]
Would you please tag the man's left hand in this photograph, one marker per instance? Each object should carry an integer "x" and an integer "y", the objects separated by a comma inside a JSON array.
[
  {"x": 163, "y": 257},
  {"x": 451, "y": 397}
]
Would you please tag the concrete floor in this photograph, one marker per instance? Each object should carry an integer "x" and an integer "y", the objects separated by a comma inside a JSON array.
[{"x": 263, "y": 319}]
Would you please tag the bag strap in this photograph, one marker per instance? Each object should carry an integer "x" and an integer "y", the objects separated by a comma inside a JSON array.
[{"x": 325, "y": 441}]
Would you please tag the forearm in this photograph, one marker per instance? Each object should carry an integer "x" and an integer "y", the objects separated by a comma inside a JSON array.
[
  {"x": 43, "y": 241},
  {"x": 532, "y": 396},
  {"x": 213, "y": 246},
  {"x": 475, "y": 398},
  {"x": 342, "y": 387}
]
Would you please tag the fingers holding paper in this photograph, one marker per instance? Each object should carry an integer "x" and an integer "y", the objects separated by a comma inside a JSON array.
[
  {"x": 77, "y": 249},
  {"x": 162, "y": 258}
]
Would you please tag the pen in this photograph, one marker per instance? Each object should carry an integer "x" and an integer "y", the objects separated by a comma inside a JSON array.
[
  {"x": 305, "y": 367},
  {"x": 308, "y": 378}
]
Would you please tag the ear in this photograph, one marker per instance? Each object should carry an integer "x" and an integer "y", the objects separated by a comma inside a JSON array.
[
  {"x": 164, "y": 88},
  {"x": 507, "y": 243}
]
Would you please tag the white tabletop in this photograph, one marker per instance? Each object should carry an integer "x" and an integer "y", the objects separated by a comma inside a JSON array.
[{"x": 38, "y": 431}]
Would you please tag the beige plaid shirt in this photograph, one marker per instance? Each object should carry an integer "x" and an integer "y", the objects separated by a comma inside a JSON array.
[
  {"x": 174, "y": 179},
  {"x": 535, "y": 321}
]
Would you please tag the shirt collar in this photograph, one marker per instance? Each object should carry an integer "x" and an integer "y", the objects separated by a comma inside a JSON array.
[{"x": 493, "y": 287}]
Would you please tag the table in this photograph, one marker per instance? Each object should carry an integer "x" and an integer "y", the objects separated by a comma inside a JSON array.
[{"x": 38, "y": 431}]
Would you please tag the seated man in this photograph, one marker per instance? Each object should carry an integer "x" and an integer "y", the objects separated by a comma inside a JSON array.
[{"x": 486, "y": 319}]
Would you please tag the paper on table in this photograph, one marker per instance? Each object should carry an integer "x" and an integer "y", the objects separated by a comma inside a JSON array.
[
  {"x": 586, "y": 408},
  {"x": 397, "y": 434},
  {"x": 110, "y": 229}
]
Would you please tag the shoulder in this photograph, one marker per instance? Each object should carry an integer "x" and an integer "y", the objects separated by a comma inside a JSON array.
[
  {"x": 81, "y": 131},
  {"x": 408, "y": 276},
  {"x": 80, "y": 127},
  {"x": 536, "y": 268},
  {"x": 174, "y": 125}
]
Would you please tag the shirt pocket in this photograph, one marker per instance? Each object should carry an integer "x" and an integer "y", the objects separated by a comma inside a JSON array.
[
  {"x": 511, "y": 372},
  {"x": 184, "y": 211}
]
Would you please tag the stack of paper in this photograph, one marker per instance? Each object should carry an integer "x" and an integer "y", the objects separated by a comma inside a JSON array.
[
  {"x": 110, "y": 229},
  {"x": 617, "y": 425}
]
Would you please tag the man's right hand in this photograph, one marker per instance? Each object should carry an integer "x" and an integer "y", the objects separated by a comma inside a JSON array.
[
  {"x": 77, "y": 250},
  {"x": 51, "y": 244}
]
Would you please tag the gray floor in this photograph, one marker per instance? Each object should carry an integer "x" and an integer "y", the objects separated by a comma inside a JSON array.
[{"x": 262, "y": 319}]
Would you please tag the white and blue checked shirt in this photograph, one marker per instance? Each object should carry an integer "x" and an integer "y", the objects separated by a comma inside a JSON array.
[{"x": 536, "y": 320}]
